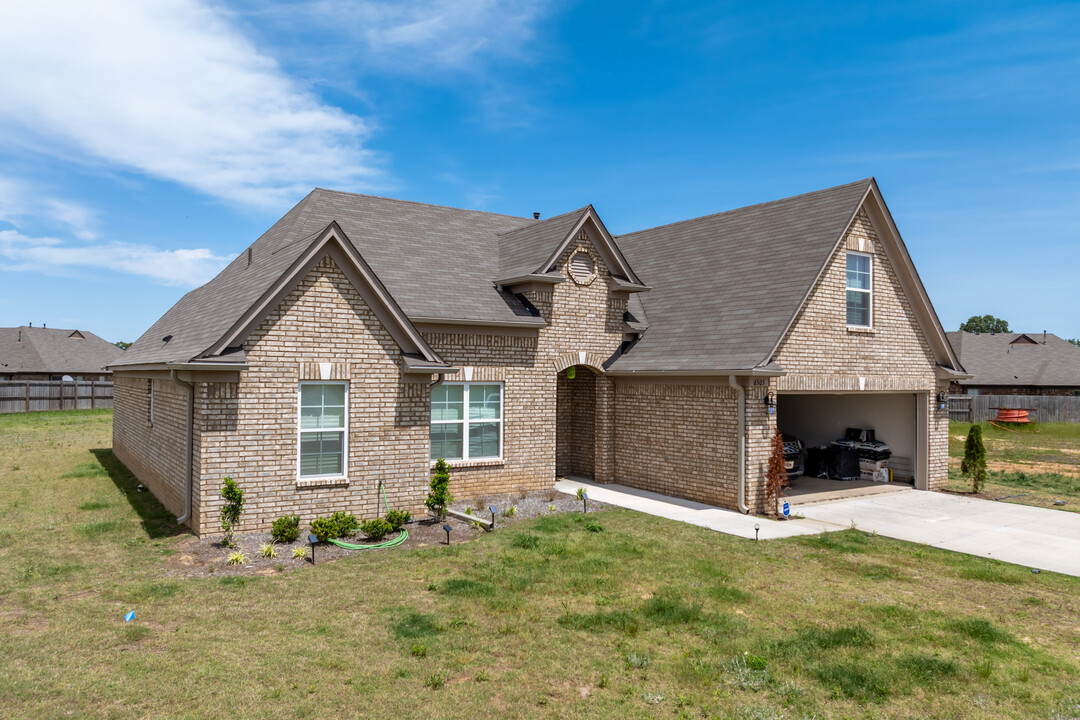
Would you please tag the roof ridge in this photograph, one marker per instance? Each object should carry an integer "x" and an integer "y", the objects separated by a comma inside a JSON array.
[
  {"x": 750, "y": 207},
  {"x": 534, "y": 222},
  {"x": 415, "y": 202}
]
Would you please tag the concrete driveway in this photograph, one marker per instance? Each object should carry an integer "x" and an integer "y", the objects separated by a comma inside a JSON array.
[{"x": 1034, "y": 537}]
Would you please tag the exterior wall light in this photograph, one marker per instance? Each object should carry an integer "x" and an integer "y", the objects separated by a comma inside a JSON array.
[
  {"x": 942, "y": 399},
  {"x": 770, "y": 402}
]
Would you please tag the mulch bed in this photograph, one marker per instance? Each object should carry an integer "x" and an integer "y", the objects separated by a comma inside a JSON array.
[{"x": 207, "y": 557}]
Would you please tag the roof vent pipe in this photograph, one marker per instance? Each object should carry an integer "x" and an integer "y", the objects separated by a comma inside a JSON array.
[
  {"x": 1044, "y": 337},
  {"x": 536, "y": 216}
]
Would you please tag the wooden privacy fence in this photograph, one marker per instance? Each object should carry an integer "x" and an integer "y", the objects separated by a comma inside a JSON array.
[
  {"x": 34, "y": 395},
  {"x": 1048, "y": 408}
]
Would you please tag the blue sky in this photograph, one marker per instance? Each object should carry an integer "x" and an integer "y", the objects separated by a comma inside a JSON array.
[{"x": 144, "y": 144}]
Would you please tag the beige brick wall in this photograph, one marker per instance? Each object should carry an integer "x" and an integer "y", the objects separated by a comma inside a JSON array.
[
  {"x": 581, "y": 318},
  {"x": 154, "y": 452},
  {"x": 677, "y": 439},
  {"x": 821, "y": 354},
  {"x": 249, "y": 431}
]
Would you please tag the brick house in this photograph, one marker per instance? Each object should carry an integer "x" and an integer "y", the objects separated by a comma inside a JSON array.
[
  {"x": 361, "y": 337},
  {"x": 1016, "y": 364}
]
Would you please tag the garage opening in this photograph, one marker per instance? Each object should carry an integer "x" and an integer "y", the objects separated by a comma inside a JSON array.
[{"x": 841, "y": 445}]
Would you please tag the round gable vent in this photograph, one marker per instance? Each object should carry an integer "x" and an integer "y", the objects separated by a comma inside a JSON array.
[{"x": 582, "y": 267}]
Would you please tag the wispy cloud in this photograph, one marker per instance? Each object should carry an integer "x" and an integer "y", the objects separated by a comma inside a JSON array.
[
  {"x": 184, "y": 267},
  {"x": 21, "y": 201},
  {"x": 172, "y": 90},
  {"x": 420, "y": 36}
]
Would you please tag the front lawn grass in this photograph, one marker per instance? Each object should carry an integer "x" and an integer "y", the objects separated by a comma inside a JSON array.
[
  {"x": 547, "y": 618},
  {"x": 1034, "y": 464}
]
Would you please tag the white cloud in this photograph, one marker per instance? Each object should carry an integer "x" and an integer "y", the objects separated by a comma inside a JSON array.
[
  {"x": 172, "y": 90},
  {"x": 421, "y": 36},
  {"x": 21, "y": 201},
  {"x": 183, "y": 267}
]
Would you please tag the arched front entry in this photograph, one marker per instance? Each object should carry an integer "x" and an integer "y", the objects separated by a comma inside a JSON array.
[{"x": 576, "y": 422}]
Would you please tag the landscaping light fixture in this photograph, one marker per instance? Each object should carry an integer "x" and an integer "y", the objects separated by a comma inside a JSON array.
[
  {"x": 492, "y": 509},
  {"x": 312, "y": 539},
  {"x": 584, "y": 502},
  {"x": 447, "y": 528},
  {"x": 770, "y": 402},
  {"x": 757, "y": 529},
  {"x": 942, "y": 398}
]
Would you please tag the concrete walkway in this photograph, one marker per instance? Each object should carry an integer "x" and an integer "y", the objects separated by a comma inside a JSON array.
[
  {"x": 694, "y": 513},
  {"x": 1028, "y": 536}
]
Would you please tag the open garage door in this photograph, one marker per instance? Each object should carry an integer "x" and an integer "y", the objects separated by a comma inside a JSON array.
[{"x": 819, "y": 419}]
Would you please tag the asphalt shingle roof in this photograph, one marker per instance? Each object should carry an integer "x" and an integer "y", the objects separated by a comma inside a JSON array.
[
  {"x": 726, "y": 286},
  {"x": 523, "y": 250},
  {"x": 55, "y": 351},
  {"x": 437, "y": 262},
  {"x": 999, "y": 360}
]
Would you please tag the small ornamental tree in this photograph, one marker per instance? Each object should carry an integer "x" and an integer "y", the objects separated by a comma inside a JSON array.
[
  {"x": 230, "y": 511},
  {"x": 974, "y": 463},
  {"x": 439, "y": 497},
  {"x": 776, "y": 478}
]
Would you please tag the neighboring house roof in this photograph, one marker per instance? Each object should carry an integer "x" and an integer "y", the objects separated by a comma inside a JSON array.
[
  {"x": 1017, "y": 359},
  {"x": 726, "y": 286},
  {"x": 55, "y": 351}
]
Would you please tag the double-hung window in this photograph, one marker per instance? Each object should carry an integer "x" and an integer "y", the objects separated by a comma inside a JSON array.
[
  {"x": 323, "y": 429},
  {"x": 859, "y": 290},
  {"x": 466, "y": 421}
]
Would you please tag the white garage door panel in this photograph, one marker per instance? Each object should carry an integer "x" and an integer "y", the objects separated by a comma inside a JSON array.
[{"x": 820, "y": 419}]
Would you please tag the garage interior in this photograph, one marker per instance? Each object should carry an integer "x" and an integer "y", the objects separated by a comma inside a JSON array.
[{"x": 819, "y": 419}]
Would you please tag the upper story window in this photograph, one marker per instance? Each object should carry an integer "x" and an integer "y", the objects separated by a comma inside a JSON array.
[
  {"x": 859, "y": 290},
  {"x": 466, "y": 421},
  {"x": 323, "y": 432}
]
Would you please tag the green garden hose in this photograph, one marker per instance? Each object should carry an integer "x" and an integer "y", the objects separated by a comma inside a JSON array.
[{"x": 378, "y": 546}]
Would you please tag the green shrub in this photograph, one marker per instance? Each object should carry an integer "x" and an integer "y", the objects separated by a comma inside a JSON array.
[
  {"x": 286, "y": 529},
  {"x": 323, "y": 529},
  {"x": 439, "y": 497},
  {"x": 397, "y": 518},
  {"x": 375, "y": 529},
  {"x": 974, "y": 463},
  {"x": 231, "y": 509},
  {"x": 344, "y": 524}
]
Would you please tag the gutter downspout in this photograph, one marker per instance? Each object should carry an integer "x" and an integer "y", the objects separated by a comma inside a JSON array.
[
  {"x": 740, "y": 393},
  {"x": 190, "y": 445}
]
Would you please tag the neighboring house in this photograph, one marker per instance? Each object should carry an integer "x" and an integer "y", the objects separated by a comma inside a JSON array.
[
  {"x": 40, "y": 353},
  {"x": 1016, "y": 364},
  {"x": 360, "y": 338}
]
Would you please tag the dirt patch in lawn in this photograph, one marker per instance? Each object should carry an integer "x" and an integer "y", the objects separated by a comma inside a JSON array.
[{"x": 206, "y": 556}]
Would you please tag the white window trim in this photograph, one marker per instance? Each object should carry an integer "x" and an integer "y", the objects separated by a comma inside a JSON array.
[
  {"x": 870, "y": 292},
  {"x": 300, "y": 433},
  {"x": 465, "y": 421}
]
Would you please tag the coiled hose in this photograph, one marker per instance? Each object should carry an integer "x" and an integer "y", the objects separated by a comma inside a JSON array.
[{"x": 377, "y": 546}]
